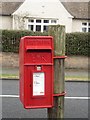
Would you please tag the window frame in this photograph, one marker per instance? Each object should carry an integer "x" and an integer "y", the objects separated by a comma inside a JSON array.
[
  {"x": 42, "y": 23},
  {"x": 87, "y": 26}
]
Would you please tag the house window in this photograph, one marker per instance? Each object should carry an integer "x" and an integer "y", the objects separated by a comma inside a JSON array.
[
  {"x": 30, "y": 20},
  {"x": 46, "y": 21},
  {"x": 40, "y": 24},
  {"x": 53, "y": 21},
  {"x": 38, "y": 27},
  {"x": 84, "y": 24},
  {"x": 38, "y": 21},
  {"x": 85, "y": 27},
  {"x": 88, "y": 29},
  {"x": 30, "y": 27},
  {"x": 45, "y": 28}
]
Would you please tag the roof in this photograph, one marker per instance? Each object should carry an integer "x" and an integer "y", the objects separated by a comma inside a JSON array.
[
  {"x": 43, "y": 9},
  {"x": 7, "y": 8},
  {"x": 78, "y": 9}
]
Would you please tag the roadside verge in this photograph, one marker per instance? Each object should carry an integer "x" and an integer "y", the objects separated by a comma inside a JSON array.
[{"x": 70, "y": 74}]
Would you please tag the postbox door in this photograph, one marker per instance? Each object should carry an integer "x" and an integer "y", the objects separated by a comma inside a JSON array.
[{"x": 39, "y": 87}]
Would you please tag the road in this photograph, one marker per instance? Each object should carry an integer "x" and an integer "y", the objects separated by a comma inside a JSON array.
[{"x": 74, "y": 107}]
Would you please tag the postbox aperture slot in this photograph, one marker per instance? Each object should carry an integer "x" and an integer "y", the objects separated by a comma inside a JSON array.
[{"x": 38, "y": 50}]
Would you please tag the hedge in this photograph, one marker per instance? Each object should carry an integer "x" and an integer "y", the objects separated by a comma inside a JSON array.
[
  {"x": 11, "y": 39},
  {"x": 76, "y": 43}
]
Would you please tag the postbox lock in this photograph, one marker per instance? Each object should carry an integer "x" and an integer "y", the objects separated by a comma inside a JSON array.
[{"x": 39, "y": 68}]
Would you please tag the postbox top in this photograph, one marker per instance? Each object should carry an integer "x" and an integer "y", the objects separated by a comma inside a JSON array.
[
  {"x": 37, "y": 42},
  {"x": 35, "y": 37}
]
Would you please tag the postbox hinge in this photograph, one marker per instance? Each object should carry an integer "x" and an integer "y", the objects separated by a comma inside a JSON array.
[{"x": 59, "y": 94}]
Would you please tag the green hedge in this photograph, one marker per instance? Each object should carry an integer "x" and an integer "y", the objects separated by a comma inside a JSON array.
[
  {"x": 76, "y": 43},
  {"x": 11, "y": 39}
]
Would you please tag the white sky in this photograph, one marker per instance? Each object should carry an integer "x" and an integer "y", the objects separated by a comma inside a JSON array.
[{"x": 45, "y": 0}]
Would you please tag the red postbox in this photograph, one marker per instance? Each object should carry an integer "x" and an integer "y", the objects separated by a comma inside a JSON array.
[{"x": 36, "y": 71}]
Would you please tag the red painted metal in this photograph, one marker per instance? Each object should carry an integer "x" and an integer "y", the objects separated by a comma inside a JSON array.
[
  {"x": 36, "y": 59},
  {"x": 59, "y": 94},
  {"x": 60, "y": 57}
]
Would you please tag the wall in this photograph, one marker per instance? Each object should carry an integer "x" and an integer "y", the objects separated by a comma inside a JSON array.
[
  {"x": 77, "y": 25},
  {"x": 6, "y": 22},
  {"x": 71, "y": 25},
  {"x": 68, "y": 24},
  {"x": 71, "y": 62}
]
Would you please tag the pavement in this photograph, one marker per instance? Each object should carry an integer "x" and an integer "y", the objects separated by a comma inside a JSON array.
[{"x": 70, "y": 74}]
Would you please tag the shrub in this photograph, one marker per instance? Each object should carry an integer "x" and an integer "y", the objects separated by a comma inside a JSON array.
[
  {"x": 11, "y": 39},
  {"x": 76, "y": 43}
]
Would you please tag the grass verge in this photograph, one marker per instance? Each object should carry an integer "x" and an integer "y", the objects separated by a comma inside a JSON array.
[
  {"x": 9, "y": 76},
  {"x": 76, "y": 78},
  {"x": 67, "y": 78}
]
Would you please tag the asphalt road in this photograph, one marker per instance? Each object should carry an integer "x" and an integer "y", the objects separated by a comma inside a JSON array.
[{"x": 74, "y": 108}]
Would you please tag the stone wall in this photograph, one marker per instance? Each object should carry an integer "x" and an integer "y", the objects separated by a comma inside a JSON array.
[{"x": 12, "y": 60}]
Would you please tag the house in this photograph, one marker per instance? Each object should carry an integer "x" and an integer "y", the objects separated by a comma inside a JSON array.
[
  {"x": 6, "y": 10},
  {"x": 38, "y": 15},
  {"x": 81, "y": 16}
]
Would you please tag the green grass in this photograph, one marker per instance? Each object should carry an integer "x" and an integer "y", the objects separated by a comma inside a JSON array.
[
  {"x": 67, "y": 78},
  {"x": 76, "y": 78},
  {"x": 9, "y": 76}
]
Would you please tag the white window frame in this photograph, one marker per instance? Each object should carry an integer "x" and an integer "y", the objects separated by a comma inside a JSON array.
[
  {"x": 42, "y": 23},
  {"x": 86, "y": 26}
]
